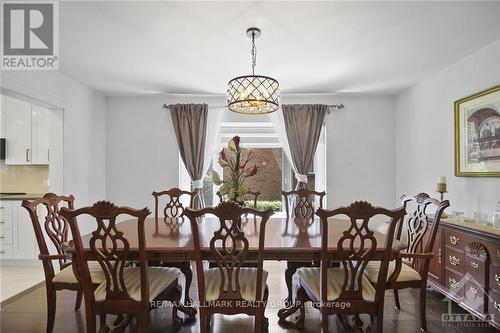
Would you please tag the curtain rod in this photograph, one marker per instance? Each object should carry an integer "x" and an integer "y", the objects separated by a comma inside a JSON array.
[{"x": 331, "y": 107}]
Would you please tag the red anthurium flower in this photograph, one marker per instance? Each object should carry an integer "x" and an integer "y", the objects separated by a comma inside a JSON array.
[
  {"x": 234, "y": 144},
  {"x": 223, "y": 159},
  {"x": 250, "y": 172}
]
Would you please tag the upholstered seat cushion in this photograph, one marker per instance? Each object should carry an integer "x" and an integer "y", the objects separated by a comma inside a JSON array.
[
  {"x": 407, "y": 273},
  {"x": 247, "y": 280},
  {"x": 159, "y": 279},
  {"x": 66, "y": 275},
  {"x": 310, "y": 278}
]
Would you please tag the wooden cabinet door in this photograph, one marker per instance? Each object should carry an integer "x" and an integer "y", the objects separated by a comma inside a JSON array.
[
  {"x": 40, "y": 134},
  {"x": 17, "y": 131},
  {"x": 24, "y": 245},
  {"x": 435, "y": 266}
]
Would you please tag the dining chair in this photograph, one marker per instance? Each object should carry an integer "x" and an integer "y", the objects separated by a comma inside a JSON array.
[
  {"x": 252, "y": 196},
  {"x": 172, "y": 214},
  {"x": 126, "y": 290},
  {"x": 346, "y": 290},
  {"x": 48, "y": 224},
  {"x": 303, "y": 210},
  {"x": 411, "y": 269},
  {"x": 230, "y": 287},
  {"x": 302, "y": 203}
]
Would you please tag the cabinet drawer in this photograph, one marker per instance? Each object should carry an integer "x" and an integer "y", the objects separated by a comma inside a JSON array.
[
  {"x": 455, "y": 240},
  {"x": 5, "y": 237},
  {"x": 494, "y": 250},
  {"x": 475, "y": 297},
  {"x": 495, "y": 278},
  {"x": 494, "y": 306},
  {"x": 5, "y": 223},
  {"x": 454, "y": 260},
  {"x": 5, "y": 209},
  {"x": 454, "y": 283},
  {"x": 5, "y": 251},
  {"x": 476, "y": 268}
]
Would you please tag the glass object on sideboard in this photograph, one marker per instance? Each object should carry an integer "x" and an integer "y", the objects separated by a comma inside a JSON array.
[
  {"x": 481, "y": 218},
  {"x": 496, "y": 217},
  {"x": 458, "y": 216}
]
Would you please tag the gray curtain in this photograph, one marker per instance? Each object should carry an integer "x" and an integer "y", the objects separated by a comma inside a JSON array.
[
  {"x": 303, "y": 123},
  {"x": 190, "y": 125}
]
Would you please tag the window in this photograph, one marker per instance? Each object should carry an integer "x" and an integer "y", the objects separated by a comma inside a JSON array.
[{"x": 275, "y": 172}]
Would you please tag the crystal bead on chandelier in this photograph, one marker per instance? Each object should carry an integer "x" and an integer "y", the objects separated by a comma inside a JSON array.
[{"x": 253, "y": 94}]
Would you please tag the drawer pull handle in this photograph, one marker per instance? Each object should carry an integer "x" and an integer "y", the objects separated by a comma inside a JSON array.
[
  {"x": 474, "y": 264},
  {"x": 454, "y": 283},
  {"x": 2, "y": 252},
  {"x": 473, "y": 290},
  {"x": 2, "y": 222},
  {"x": 454, "y": 260},
  {"x": 497, "y": 279},
  {"x": 1, "y": 237},
  {"x": 497, "y": 306},
  {"x": 1, "y": 207},
  {"x": 454, "y": 240}
]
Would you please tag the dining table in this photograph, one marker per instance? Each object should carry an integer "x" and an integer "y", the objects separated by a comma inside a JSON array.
[{"x": 171, "y": 239}]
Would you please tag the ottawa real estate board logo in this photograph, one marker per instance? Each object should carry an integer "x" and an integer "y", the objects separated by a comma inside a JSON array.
[{"x": 30, "y": 35}]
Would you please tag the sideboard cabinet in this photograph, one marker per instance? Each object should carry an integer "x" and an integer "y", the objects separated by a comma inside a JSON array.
[{"x": 466, "y": 267}]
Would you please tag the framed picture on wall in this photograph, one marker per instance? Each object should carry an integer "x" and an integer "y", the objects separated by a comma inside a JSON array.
[{"x": 477, "y": 134}]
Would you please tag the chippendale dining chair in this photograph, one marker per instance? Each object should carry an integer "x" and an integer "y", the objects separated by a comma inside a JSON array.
[
  {"x": 301, "y": 200},
  {"x": 55, "y": 228},
  {"x": 345, "y": 290},
  {"x": 230, "y": 287},
  {"x": 303, "y": 214},
  {"x": 173, "y": 216},
  {"x": 410, "y": 270},
  {"x": 126, "y": 290}
]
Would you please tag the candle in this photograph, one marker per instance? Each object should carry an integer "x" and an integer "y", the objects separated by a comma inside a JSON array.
[{"x": 441, "y": 184}]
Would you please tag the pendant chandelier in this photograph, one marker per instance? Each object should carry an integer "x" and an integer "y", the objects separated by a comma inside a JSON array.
[{"x": 253, "y": 94}]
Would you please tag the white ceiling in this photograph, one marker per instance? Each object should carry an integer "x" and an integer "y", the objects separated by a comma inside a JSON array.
[{"x": 130, "y": 48}]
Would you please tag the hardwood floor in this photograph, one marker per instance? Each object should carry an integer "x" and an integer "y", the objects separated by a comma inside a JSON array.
[{"x": 28, "y": 313}]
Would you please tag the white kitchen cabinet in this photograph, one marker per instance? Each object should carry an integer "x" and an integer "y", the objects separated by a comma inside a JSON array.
[
  {"x": 40, "y": 135},
  {"x": 2, "y": 116},
  {"x": 17, "y": 131},
  {"x": 17, "y": 237},
  {"x": 24, "y": 245}
]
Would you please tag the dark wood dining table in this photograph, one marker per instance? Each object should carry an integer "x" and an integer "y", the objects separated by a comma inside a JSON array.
[{"x": 285, "y": 239}]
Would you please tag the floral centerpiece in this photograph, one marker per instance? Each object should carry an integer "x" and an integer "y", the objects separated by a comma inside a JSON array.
[{"x": 237, "y": 161}]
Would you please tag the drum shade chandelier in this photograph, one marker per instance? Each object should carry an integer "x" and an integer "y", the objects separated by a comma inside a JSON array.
[{"x": 253, "y": 94}]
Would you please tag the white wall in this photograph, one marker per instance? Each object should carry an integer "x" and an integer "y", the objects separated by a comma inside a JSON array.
[
  {"x": 84, "y": 127},
  {"x": 142, "y": 152},
  {"x": 425, "y": 132}
]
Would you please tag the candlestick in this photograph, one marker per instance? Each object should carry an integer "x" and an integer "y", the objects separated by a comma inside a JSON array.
[{"x": 441, "y": 189}]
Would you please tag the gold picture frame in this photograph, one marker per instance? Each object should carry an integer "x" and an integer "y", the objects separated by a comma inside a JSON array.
[{"x": 477, "y": 134}]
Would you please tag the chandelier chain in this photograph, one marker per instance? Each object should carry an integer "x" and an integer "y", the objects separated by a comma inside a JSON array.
[{"x": 254, "y": 54}]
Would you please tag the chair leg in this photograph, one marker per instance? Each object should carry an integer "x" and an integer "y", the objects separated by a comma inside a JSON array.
[
  {"x": 79, "y": 298},
  {"x": 324, "y": 321},
  {"x": 290, "y": 270},
  {"x": 258, "y": 322},
  {"x": 103, "y": 328},
  {"x": 396, "y": 299},
  {"x": 423, "y": 302},
  {"x": 188, "y": 274},
  {"x": 90, "y": 319},
  {"x": 51, "y": 308},
  {"x": 203, "y": 321},
  {"x": 143, "y": 322}
]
